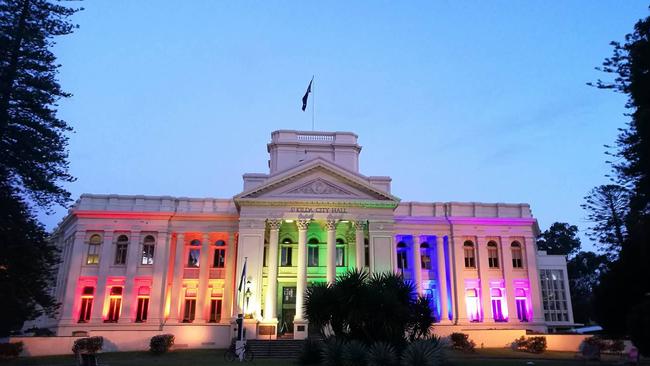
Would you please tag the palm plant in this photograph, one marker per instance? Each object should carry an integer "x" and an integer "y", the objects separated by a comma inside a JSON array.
[
  {"x": 355, "y": 354},
  {"x": 424, "y": 352},
  {"x": 333, "y": 352},
  {"x": 382, "y": 354}
]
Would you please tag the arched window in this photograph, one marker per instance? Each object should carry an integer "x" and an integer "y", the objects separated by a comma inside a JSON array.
[
  {"x": 517, "y": 257},
  {"x": 220, "y": 243},
  {"x": 493, "y": 254},
  {"x": 470, "y": 259},
  {"x": 286, "y": 241},
  {"x": 93, "y": 249},
  {"x": 148, "y": 247},
  {"x": 312, "y": 252},
  {"x": 121, "y": 249},
  {"x": 425, "y": 257},
  {"x": 194, "y": 253},
  {"x": 402, "y": 261},
  {"x": 340, "y": 241},
  {"x": 87, "y": 295},
  {"x": 313, "y": 241}
]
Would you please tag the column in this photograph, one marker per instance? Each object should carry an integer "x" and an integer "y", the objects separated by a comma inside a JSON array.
[
  {"x": 129, "y": 299},
  {"x": 229, "y": 286},
  {"x": 417, "y": 264},
  {"x": 105, "y": 260},
  {"x": 507, "y": 278},
  {"x": 442, "y": 280},
  {"x": 202, "y": 297},
  {"x": 72, "y": 281},
  {"x": 270, "y": 301},
  {"x": 360, "y": 244},
  {"x": 533, "y": 280},
  {"x": 158, "y": 298},
  {"x": 177, "y": 280},
  {"x": 486, "y": 303},
  {"x": 301, "y": 280},
  {"x": 460, "y": 310},
  {"x": 330, "y": 225}
]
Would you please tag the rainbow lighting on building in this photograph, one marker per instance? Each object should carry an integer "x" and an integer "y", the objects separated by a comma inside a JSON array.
[{"x": 142, "y": 265}]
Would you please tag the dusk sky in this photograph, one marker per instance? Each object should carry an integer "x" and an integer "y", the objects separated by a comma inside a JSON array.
[{"x": 455, "y": 100}]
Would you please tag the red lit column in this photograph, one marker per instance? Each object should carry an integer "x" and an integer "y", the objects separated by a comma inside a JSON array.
[
  {"x": 204, "y": 276},
  {"x": 105, "y": 259},
  {"x": 77, "y": 259},
  {"x": 177, "y": 280},
  {"x": 129, "y": 299},
  {"x": 229, "y": 287},
  {"x": 159, "y": 279}
]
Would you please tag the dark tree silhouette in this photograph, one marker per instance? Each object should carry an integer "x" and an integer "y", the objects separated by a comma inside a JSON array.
[
  {"x": 607, "y": 207},
  {"x": 584, "y": 271},
  {"x": 559, "y": 239}
]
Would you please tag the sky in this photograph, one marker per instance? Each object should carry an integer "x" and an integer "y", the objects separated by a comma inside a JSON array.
[{"x": 455, "y": 100}]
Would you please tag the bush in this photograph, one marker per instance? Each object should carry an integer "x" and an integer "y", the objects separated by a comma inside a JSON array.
[
  {"x": 424, "y": 352},
  {"x": 311, "y": 352},
  {"x": 355, "y": 354},
  {"x": 333, "y": 352},
  {"x": 10, "y": 350},
  {"x": 606, "y": 345},
  {"x": 161, "y": 343},
  {"x": 532, "y": 344},
  {"x": 382, "y": 354},
  {"x": 461, "y": 341},
  {"x": 88, "y": 345}
]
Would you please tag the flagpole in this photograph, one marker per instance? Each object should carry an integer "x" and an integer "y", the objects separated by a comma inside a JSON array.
[{"x": 313, "y": 103}]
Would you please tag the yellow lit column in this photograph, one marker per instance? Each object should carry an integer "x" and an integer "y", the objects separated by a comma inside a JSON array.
[
  {"x": 533, "y": 279},
  {"x": 159, "y": 279},
  {"x": 417, "y": 264},
  {"x": 177, "y": 281},
  {"x": 204, "y": 277},
  {"x": 133, "y": 255},
  {"x": 229, "y": 287},
  {"x": 331, "y": 250},
  {"x": 442, "y": 279},
  {"x": 360, "y": 244},
  {"x": 77, "y": 259},
  {"x": 507, "y": 278},
  {"x": 486, "y": 302},
  {"x": 106, "y": 258},
  {"x": 270, "y": 312}
]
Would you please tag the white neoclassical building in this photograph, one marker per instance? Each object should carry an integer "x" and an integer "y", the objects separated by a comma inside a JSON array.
[{"x": 142, "y": 265}]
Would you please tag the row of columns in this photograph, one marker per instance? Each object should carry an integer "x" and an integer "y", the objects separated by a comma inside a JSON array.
[{"x": 442, "y": 275}]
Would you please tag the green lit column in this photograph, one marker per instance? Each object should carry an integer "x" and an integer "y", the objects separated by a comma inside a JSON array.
[
  {"x": 272, "y": 286},
  {"x": 330, "y": 225},
  {"x": 359, "y": 243}
]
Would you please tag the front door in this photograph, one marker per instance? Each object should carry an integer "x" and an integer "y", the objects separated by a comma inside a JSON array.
[{"x": 288, "y": 309}]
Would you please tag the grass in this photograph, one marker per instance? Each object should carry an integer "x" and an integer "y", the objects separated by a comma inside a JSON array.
[{"x": 482, "y": 357}]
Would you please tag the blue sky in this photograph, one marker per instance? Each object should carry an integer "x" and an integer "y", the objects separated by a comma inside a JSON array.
[{"x": 455, "y": 100}]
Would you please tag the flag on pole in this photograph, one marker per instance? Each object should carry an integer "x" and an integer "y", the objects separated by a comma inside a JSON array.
[
  {"x": 304, "y": 98},
  {"x": 243, "y": 276}
]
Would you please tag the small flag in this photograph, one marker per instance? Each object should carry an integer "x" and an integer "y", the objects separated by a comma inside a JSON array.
[
  {"x": 304, "y": 98},
  {"x": 243, "y": 276}
]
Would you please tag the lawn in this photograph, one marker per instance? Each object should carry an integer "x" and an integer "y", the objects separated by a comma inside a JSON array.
[{"x": 482, "y": 357}]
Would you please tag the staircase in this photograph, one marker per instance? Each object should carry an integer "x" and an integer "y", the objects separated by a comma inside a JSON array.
[{"x": 281, "y": 348}]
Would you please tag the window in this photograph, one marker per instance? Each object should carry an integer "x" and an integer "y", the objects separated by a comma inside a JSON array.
[
  {"x": 425, "y": 258},
  {"x": 114, "y": 304},
  {"x": 470, "y": 260},
  {"x": 220, "y": 258},
  {"x": 554, "y": 296},
  {"x": 121, "y": 249},
  {"x": 340, "y": 256},
  {"x": 312, "y": 256},
  {"x": 264, "y": 255},
  {"x": 189, "y": 311},
  {"x": 143, "y": 305},
  {"x": 148, "y": 247},
  {"x": 93, "y": 249},
  {"x": 402, "y": 261},
  {"x": 194, "y": 253},
  {"x": 366, "y": 252},
  {"x": 87, "y": 295},
  {"x": 473, "y": 305},
  {"x": 285, "y": 256},
  {"x": 521, "y": 310},
  {"x": 215, "y": 310},
  {"x": 493, "y": 254},
  {"x": 497, "y": 307},
  {"x": 517, "y": 261}
]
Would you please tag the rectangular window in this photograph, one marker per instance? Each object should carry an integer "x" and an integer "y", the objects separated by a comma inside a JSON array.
[
  {"x": 190, "y": 310},
  {"x": 147, "y": 254},
  {"x": 402, "y": 262},
  {"x": 493, "y": 258},
  {"x": 285, "y": 256},
  {"x": 516, "y": 259},
  {"x": 219, "y": 258},
  {"x": 470, "y": 261},
  {"x": 522, "y": 314},
  {"x": 114, "y": 307},
  {"x": 554, "y": 296},
  {"x": 215, "y": 310},
  {"x": 497, "y": 311},
  {"x": 193, "y": 258},
  {"x": 425, "y": 260},
  {"x": 143, "y": 308},
  {"x": 312, "y": 256},
  {"x": 120, "y": 254},
  {"x": 93, "y": 254},
  {"x": 366, "y": 255},
  {"x": 340, "y": 256},
  {"x": 86, "y": 308}
]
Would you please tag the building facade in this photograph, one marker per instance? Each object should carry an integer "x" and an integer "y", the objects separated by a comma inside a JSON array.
[{"x": 151, "y": 264}]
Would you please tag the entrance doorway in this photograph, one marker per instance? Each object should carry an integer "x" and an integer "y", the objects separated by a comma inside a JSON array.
[{"x": 288, "y": 309}]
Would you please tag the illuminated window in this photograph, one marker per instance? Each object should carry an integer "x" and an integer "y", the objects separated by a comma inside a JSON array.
[
  {"x": 473, "y": 305},
  {"x": 193, "y": 254},
  {"x": 312, "y": 256},
  {"x": 143, "y": 305},
  {"x": 114, "y": 304},
  {"x": 521, "y": 304},
  {"x": 554, "y": 295},
  {"x": 219, "y": 258},
  {"x": 93, "y": 249},
  {"x": 425, "y": 258},
  {"x": 493, "y": 254},
  {"x": 189, "y": 308},
  {"x": 215, "y": 310},
  {"x": 402, "y": 261},
  {"x": 285, "y": 256},
  {"x": 148, "y": 247},
  {"x": 340, "y": 256},
  {"x": 497, "y": 305},
  {"x": 121, "y": 249},
  {"x": 517, "y": 261},
  {"x": 468, "y": 249},
  {"x": 87, "y": 295}
]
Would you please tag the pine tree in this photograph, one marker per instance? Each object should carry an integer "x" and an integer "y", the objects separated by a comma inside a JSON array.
[{"x": 607, "y": 208}]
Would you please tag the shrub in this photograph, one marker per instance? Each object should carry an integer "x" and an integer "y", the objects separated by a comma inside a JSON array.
[
  {"x": 532, "y": 344},
  {"x": 10, "y": 350},
  {"x": 88, "y": 345},
  {"x": 355, "y": 354},
  {"x": 333, "y": 352},
  {"x": 382, "y": 354},
  {"x": 461, "y": 341},
  {"x": 311, "y": 352},
  {"x": 161, "y": 343},
  {"x": 424, "y": 352}
]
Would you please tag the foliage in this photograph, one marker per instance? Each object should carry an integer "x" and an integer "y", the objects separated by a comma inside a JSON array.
[
  {"x": 90, "y": 345},
  {"x": 311, "y": 353},
  {"x": 584, "y": 271},
  {"x": 606, "y": 345},
  {"x": 10, "y": 350},
  {"x": 161, "y": 343},
  {"x": 382, "y": 354},
  {"x": 560, "y": 238},
  {"x": 530, "y": 344},
  {"x": 369, "y": 308},
  {"x": 424, "y": 352},
  {"x": 355, "y": 353},
  {"x": 606, "y": 208},
  {"x": 333, "y": 352},
  {"x": 639, "y": 326},
  {"x": 461, "y": 342}
]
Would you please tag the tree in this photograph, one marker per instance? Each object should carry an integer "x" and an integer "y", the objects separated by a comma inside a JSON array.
[
  {"x": 607, "y": 207},
  {"x": 560, "y": 239},
  {"x": 33, "y": 156},
  {"x": 584, "y": 271}
]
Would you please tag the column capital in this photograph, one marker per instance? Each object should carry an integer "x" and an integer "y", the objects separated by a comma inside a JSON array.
[
  {"x": 359, "y": 224},
  {"x": 416, "y": 238},
  {"x": 303, "y": 224},
  {"x": 330, "y": 224},
  {"x": 273, "y": 224},
  {"x": 206, "y": 236}
]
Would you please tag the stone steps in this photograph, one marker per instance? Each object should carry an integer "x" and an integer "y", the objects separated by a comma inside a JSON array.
[{"x": 281, "y": 348}]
